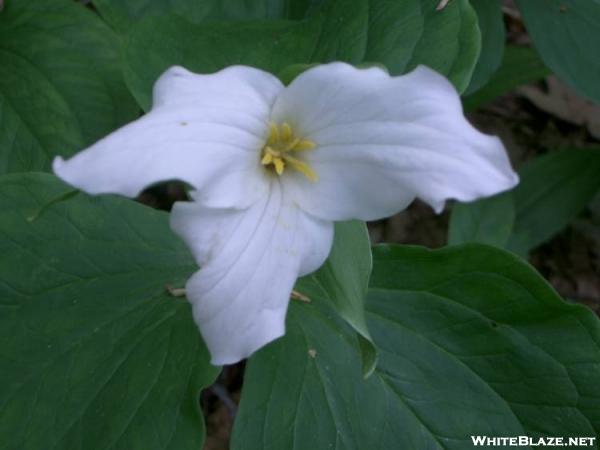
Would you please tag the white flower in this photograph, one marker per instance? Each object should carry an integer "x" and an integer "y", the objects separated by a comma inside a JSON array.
[{"x": 273, "y": 167}]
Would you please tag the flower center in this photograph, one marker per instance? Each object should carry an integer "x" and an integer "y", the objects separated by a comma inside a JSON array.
[{"x": 277, "y": 152}]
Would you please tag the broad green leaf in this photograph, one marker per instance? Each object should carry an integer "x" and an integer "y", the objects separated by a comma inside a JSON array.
[
  {"x": 122, "y": 14},
  {"x": 288, "y": 74},
  {"x": 537, "y": 352},
  {"x": 342, "y": 36},
  {"x": 394, "y": 30},
  {"x": 566, "y": 33},
  {"x": 472, "y": 342},
  {"x": 488, "y": 221},
  {"x": 405, "y": 34},
  {"x": 493, "y": 35},
  {"x": 60, "y": 82},
  {"x": 343, "y": 281},
  {"x": 400, "y": 35},
  {"x": 95, "y": 354},
  {"x": 520, "y": 65},
  {"x": 157, "y": 43},
  {"x": 553, "y": 190},
  {"x": 450, "y": 41}
]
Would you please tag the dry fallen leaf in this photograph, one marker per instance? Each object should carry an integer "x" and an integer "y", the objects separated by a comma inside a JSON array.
[{"x": 564, "y": 103}]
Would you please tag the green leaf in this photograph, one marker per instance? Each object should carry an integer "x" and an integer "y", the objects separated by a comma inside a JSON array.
[
  {"x": 450, "y": 42},
  {"x": 472, "y": 342},
  {"x": 553, "y": 190},
  {"x": 488, "y": 221},
  {"x": 394, "y": 29},
  {"x": 288, "y": 74},
  {"x": 122, "y": 15},
  {"x": 60, "y": 82},
  {"x": 500, "y": 318},
  {"x": 94, "y": 355},
  {"x": 157, "y": 43},
  {"x": 62, "y": 197},
  {"x": 343, "y": 281},
  {"x": 342, "y": 36},
  {"x": 404, "y": 34},
  {"x": 493, "y": 35},
  {"x": 401, "y": 35},
  {"x": 566, "y": 35},
  {"x": 520, "y": 65}
]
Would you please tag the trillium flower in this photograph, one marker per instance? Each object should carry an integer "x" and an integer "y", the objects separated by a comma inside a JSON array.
[{"x": 273, "y": 167}]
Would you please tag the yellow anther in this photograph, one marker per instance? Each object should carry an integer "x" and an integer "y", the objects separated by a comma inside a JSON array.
[
  {"x": 302, "y": 167},
  {"x": 273, "y": 134},
  {"x": 304, "y": 144},
  {"x": 286, "y": 132},
  {"x": 278, "y": 148},
  {"x": 279, "y": 165},
  {"x": 267, "y": 159},
  {"x": 290, "y": 146}
]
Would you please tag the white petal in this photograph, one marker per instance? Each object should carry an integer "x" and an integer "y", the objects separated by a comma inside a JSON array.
[
  {"x": 249, "y": 262},
  {"x": 381, "y": 141},
  {"x": 206, "y": 130}
]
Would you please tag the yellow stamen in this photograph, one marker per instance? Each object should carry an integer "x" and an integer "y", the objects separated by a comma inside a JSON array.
[
  {"x": 267, "y": 159},
  {"x": 279, "y": 165},
  {"x": 304, "y": 144},
  {"x": 273, "y": 134},
  {"x": 290, "y": 146},
  {"x": 281, "y": 142},
  {"x": 302, "y": 167},
  {"x": 286, "y": 131}
]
